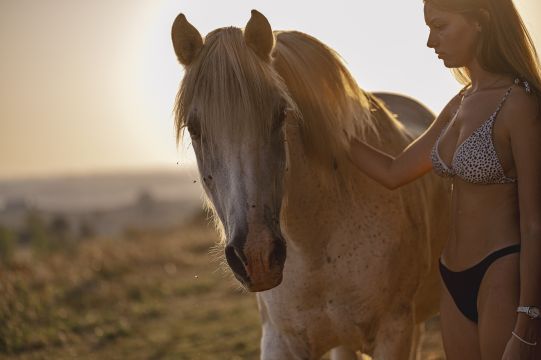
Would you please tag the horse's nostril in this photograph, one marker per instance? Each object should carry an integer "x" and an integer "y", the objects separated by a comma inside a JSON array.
[
  {"x": 234, "y": 259},
  {"x": 278, "y": 254}
]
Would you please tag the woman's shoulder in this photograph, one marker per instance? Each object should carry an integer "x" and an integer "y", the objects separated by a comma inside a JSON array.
[
  {"x": 522, "y": 101},
  {"x": 521, "y": 107}
]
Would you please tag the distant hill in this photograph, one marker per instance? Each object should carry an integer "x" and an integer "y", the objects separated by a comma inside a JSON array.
[
  {"x": 109, "y": 204},
  {"x": 100, "y": 191}
]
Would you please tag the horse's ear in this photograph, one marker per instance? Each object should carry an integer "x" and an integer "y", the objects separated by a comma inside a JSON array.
[
  {"x": 186, "y": 40},
  {"x": 258, "y": 35}
]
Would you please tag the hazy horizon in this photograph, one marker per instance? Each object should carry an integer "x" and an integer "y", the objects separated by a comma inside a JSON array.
[
  {"x": 89, "y": 86},
  {"x": 189, "y": 167}
]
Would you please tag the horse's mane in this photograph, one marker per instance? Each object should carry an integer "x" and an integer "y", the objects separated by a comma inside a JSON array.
[
  {"x": 334, "y": 108},
  {"x": 234, "y": 93},
  {"x": 330, "y": 101}
]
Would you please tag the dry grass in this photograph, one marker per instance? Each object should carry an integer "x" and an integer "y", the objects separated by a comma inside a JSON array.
[{"x": 145, "y": 296}]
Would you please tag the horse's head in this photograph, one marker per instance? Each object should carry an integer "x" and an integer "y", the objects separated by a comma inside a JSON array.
[{"x": 234, "y": 106}]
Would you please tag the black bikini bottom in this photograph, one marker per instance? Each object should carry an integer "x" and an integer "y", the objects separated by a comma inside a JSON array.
[{"x": 464, "y": 285}]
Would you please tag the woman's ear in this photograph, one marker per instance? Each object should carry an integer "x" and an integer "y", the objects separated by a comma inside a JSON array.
[
  {"x": 484, "y": 19},
  {"x": 186, "y": 40}
]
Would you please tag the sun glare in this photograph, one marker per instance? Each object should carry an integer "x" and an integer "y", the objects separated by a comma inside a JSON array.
[{"x": 107, "y": 82}]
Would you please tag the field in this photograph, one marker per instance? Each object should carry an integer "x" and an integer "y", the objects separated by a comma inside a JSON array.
[{"x": 145, "y": 295}]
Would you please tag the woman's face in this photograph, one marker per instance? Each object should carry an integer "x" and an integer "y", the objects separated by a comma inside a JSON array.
[{"x": 452, "y": 36}]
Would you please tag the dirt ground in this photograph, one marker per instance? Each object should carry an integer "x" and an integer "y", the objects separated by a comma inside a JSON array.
[{"x": 142, "y": 296}]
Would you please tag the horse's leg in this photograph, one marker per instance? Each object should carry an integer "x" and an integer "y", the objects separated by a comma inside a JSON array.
[
  {"x": 343, "y": 353},
  {"x": 275, "y": 346},
  {"x": 394, "y": 335},
  {"x": 418, "y": 333}
]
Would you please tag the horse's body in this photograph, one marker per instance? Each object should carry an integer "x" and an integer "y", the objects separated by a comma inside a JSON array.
[
  {"x": 358, "y": 269},
  {"x": 361, "y": 267}
]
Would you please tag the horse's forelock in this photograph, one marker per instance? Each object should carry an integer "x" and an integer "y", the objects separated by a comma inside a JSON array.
[{"x": 232, "y": 90}]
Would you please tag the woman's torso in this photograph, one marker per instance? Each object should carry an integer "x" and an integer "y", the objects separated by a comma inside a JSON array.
[{"x": 484, "y": 206}]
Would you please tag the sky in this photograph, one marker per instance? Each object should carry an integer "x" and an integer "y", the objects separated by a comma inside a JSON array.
[{"x": 89, "y": 86}]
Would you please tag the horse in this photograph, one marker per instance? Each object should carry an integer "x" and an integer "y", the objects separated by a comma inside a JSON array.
[{"x": 338, "y": 262}]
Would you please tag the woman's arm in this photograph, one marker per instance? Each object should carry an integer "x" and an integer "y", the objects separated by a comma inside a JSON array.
[
  {"x": 524, "y": 123},
  {"x": 410, "y": 164}
]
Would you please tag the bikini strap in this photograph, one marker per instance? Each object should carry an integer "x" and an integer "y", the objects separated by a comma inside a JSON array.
[
  {"x": 462, "y": 94},
  {"x": 524, "y": 84},
  {"x": 462, "y": 91},
  {"x": 505, "y": 96}
]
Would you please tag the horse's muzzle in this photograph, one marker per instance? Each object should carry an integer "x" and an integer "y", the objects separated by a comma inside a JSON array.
[{"x": 257, "y": 262}]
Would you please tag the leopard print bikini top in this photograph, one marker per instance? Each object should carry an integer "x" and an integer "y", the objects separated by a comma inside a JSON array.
[{"x": 475, "y": 160}]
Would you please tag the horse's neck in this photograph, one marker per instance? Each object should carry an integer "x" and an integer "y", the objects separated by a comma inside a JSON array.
[{"x": 313, "y": 206}]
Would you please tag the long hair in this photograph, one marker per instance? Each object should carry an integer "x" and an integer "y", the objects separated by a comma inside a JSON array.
[
  {"x": 229, "y": 89},
  {"x": 234, "y": 93},
  {"x": 505, "y": 45}
]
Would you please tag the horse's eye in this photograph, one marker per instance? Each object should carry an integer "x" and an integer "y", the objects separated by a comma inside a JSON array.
[
  {"x": 280, "y": 117},
  {"x": 194, "y": 128},
  {"x": 283, "y": 113}
]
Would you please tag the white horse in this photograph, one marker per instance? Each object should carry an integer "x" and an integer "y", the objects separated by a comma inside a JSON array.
[{"x": 268, "y": 114}]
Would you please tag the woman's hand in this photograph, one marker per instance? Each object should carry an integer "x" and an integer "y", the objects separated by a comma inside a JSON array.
[{"x": 517, "y": 350}]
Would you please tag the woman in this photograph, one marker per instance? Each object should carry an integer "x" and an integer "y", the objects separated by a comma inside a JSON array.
[{"x": 488, "y": 140}]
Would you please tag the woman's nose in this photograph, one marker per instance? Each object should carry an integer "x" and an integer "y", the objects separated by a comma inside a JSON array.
[{"x": 431, "y": 42}]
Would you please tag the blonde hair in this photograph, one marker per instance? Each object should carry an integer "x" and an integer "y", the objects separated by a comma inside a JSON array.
[
  {"x": 232, "y": 92},
  {"x": 505, "y": 46},
  {"x": 229, "y": 90}
]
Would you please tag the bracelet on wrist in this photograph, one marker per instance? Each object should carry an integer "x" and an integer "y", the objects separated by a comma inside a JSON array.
[{"x": 522, "y": 340}]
